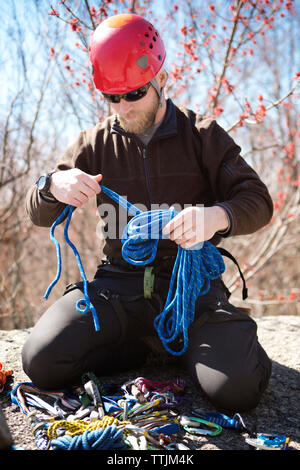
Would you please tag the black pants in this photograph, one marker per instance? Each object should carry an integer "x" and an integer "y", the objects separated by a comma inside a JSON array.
[{"x": 224, "y": 356}]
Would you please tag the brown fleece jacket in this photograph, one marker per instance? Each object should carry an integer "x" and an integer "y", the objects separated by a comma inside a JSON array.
[{"x": 189, "y": 161}]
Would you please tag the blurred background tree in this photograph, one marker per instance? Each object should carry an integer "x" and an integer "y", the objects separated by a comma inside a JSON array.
[{"x": 236, "y": 60}]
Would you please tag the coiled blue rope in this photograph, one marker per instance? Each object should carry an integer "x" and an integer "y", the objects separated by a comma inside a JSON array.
[
  {"x": 109, "y": 438},
  {"x": 192, "y": 272}
]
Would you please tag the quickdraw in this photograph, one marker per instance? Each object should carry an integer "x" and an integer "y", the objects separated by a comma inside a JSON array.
[
  {"x": 138, "y": 409},
  {"x": 236, "y": 422},
  {"x": 195, "y": 425}
]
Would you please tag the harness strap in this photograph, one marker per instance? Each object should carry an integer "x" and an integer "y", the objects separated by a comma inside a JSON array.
[
  {"x": 148, "y": 282},
  {"x": 226, "y": 253},
  {"x": 121, "y": 313}
]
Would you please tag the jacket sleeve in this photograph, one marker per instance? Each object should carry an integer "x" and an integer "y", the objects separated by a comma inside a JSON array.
[
  {"x": 42, "y": 212},
  {"x": 236, "y": 186}
]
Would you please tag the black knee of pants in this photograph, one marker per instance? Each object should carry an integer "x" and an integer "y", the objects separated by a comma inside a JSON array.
[
  {"x": 226, "y": 360},
  {"x": 64, "y": 343}
]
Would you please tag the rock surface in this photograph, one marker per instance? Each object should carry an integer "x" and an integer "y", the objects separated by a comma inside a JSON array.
[{"x": 278, "y": 412}]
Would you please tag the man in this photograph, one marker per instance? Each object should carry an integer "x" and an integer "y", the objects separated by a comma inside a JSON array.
[{"x": 152, "y": 152}]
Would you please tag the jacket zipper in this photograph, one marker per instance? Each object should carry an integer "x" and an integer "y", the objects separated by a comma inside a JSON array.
[{"x": 147, "y": 176}]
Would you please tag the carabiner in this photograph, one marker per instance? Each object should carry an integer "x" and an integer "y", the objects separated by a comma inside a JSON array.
[
  {"x": 177, "y": 446},
  {"x": 269, "y": 441},
  {"x": 236, "y": 422},
  {"x": 195, "y": 425}
]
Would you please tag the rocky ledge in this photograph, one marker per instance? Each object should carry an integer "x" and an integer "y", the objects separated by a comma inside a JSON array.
[{"x": 278, "y": 412}]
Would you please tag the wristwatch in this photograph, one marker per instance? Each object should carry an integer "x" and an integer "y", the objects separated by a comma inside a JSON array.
[{"x": 43, "y": 186}]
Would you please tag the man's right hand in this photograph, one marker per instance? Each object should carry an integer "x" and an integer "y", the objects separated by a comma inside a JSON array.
[{"x": 74, "y": 186}]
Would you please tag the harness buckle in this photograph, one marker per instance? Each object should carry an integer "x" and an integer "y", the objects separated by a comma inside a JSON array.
[{"x": 105, "y": 293}]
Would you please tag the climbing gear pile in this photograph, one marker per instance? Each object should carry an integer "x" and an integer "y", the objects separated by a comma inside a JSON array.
[
  {"x": 86, "y": 419},
  {"x": 192, "y": 272},
  {"x": 141, "y": 414}
]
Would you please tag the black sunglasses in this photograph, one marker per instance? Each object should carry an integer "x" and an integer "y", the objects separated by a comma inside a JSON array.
[{"x": 131, "y": 96}]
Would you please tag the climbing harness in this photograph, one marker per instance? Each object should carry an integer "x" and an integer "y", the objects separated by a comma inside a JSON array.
[{"x": 192, "y": 272}]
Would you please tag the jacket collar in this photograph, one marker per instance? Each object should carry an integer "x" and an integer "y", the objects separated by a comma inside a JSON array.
[{"x": 167, "y": 128}]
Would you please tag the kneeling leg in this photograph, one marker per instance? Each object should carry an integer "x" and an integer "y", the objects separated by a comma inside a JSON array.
[
  {"x": 227, "y": 361},
  {"x": 64, "y": 344}
]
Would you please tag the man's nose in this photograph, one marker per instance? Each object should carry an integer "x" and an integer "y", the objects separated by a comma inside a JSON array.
[{"x": 125, "y": 106}]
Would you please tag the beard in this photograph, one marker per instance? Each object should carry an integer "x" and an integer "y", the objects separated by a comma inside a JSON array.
[{"x": 140, "y": 120}]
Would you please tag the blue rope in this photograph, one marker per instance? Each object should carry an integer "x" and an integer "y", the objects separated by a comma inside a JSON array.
[
  {"x": 109, "y": 438},
  {"x": 192, "y": 272},
  {"x": 87, "y": 304}
]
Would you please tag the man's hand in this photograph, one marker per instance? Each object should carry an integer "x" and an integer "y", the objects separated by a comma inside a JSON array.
[
  {"x": 195, "y": 225},
  {"x": 74, "y": 186}
]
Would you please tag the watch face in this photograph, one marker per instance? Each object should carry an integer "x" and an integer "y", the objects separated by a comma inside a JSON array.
[{"x": 41, "y": 182}]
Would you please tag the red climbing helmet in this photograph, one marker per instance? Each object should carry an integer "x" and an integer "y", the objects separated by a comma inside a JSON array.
[{"x": 126, "y": 52}]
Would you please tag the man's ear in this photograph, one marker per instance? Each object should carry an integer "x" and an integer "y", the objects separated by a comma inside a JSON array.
[{"x": 161, "y": 78}]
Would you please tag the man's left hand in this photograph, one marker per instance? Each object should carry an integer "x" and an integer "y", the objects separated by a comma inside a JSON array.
[{"x": 195, "y": 225}]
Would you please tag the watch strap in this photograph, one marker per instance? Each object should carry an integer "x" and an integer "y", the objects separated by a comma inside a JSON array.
[{"x": 48, "y": 198}]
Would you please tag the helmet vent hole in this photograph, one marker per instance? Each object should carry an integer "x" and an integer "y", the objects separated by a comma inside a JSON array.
[
  {"x": 147, "y": 35},
  {"x": 151, "y": 45},
  {"x": 159, "y": 57},
  {"x": 154, "y": 38}
]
